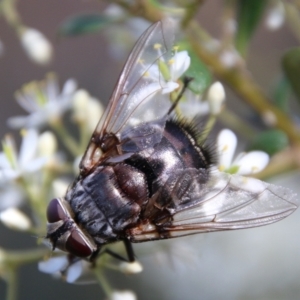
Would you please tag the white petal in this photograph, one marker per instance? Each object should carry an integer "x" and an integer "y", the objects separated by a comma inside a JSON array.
[
  {"x": 122, "y": 295},
  {"x": 74, "y": 272},
  {"x": 169, "y": 87},
  {"x": 131, "y": 267},
  {"x": 33, "y": 120},
  {"x": 4, "y": 163},
  {"x": 69, "y": 87},
  {"x": 11, "y": 196},
  {"x": 51, "y": 88},
  {"x": 17, "y": 122},
  {"x": 35, "y": 164},
  {"x": 252, "y": 162},
  {"x": 9, "y": 174},
  {"x": 276, "y": 16},
  {"x": 226, "y": 145},
  {"x": 179, "y": 64},
  {"x": 28, "y": 147},
  {"x": 153, "y": 72},
  {"x": 15, "y": 219},
  {"x": 36, "y": 45},
  {"x": 53, "y": 265}
]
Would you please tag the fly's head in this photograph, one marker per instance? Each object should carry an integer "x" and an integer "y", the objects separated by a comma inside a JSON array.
[{"x": 65, "y": 234}]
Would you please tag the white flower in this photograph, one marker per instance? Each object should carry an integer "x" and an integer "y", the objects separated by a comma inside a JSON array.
[
  {"x": 216, "y": 97},
  {"x": 276, "y": 16},
  {"x": 43, "y": 101},
  {"x": 36, "y": 45},
  {"x": 14, "y": 165},
  {"x": 87, "y": 109},
  {"x": 192, "y": 105},
  {"x": 11, "y": 195},
  {"x": 73, "y": 270},
  {"x": 15, "y": 219},
  {"x": 130, "y": 267},
  {"x": 245, "y": 163},
  {"x": 123, "y": 295},
  {"x": 171, "y": 71}
]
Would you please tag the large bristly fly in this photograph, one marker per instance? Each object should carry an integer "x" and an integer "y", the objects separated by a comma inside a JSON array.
[{"x": 145, "y": 175}]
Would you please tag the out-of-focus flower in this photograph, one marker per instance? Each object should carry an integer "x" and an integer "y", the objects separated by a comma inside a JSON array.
[
  {"x": 216, "y": 97},
  {"x": 14, "y": 165},
  {"x": 275, "y": 16},
  {"x": 10, "y": 195},
  {"x": 47, "y": 148},
  {"x": 87, "y": 109},
  {"x": 36, "y": 45},
  {"x": 230, "y": 58},
  {"x": 73, "y": 270},
  {"x": 60, "y": 186},
  {"x": 192, "y": 105},
  {"x": 122, "y": 295},
  {"x": 131, "y": 267},
  {"x": 166, "y": 73},
  {"x": 43, "y": 101},
  {"x": 13, "y": 218},
  {"x": 245, "y": 163}
]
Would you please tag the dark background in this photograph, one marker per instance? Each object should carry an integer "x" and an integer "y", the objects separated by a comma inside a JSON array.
[{"x": 260, "y": 263}]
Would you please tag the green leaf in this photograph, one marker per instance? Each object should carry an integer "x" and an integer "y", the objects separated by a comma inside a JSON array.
[
  {"x": 291, "y": 68},
  {"x": 83, "y": 24},
  {"x": 198, "y": 71},
  {"x": 249, "y": 13},
  {"x": 270, "y": 141}
]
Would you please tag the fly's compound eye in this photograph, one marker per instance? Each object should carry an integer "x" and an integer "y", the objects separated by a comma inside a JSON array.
[
  {"x": 55, "y": 212},
  {"x": 77, "y": 245}
]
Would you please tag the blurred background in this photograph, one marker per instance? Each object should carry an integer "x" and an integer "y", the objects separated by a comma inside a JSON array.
[{"x": 261, "y": 263}]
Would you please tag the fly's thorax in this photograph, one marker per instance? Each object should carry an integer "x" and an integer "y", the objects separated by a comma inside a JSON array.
[{"x": 64, "y": 233}]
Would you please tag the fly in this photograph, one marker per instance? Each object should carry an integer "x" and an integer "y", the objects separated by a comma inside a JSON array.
[{"x": 145, "y": 175}]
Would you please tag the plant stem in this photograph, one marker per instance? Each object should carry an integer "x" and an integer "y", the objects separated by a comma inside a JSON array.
[
  {"x": 66, "y": 138},
  {"x": 104, "y": 283},
  {"x": 12, "y": 284}
]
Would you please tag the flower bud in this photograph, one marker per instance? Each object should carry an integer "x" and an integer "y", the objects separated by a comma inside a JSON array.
[
  {"x": 131, "y": 267},
  {"x": 216, "y": 97},
  {"x": 122, "y": 295},
  {"x": 15, "y": 219},
  {"x": 36, "y": 45},
  {"x": 47, "y": 144}
]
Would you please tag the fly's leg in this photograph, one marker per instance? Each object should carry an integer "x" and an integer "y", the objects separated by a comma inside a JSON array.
[
  {"x": 129, "y": 251},
  {"x": 186, "y": 81}
]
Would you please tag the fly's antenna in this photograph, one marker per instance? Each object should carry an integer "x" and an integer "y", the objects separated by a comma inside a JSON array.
[{"x": 186, "y": 81}]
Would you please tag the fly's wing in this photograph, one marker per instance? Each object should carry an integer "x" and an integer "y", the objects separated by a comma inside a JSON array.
[
  {"x": 225, "y": 202},
  {"x": 137, "y": 97}
]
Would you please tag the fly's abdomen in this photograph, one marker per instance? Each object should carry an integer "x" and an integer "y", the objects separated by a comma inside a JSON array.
[{"x": 109, "y": 199}]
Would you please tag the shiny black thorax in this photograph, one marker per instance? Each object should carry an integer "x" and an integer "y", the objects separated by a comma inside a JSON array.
[{"x": 143, "y": 187}]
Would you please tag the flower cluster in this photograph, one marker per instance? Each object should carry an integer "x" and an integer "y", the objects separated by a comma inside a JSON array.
[{"x": 38, "y": 170}]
